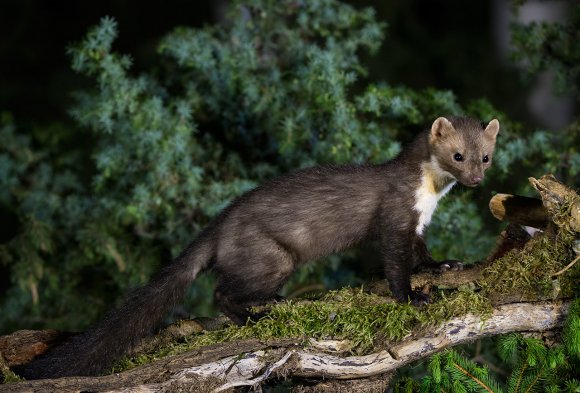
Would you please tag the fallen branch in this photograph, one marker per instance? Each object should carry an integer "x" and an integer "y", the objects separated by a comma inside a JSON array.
[{"x": 225, "y": 366}]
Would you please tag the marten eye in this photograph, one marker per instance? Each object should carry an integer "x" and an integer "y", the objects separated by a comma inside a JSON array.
[
  {"x": 458, "y": 157},
  {"x": 485, "y": 158}
]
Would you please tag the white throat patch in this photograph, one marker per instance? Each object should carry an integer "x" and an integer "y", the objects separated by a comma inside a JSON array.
[{"x": 435, "y": 183}]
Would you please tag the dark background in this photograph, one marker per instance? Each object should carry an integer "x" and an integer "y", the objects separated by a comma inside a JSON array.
[{"x": 441, "y": 44}]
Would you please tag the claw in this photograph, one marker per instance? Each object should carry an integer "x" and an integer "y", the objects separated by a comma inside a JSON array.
[
  {"x": 451, "y": 265},
  {"x": 420, "y": 299}
]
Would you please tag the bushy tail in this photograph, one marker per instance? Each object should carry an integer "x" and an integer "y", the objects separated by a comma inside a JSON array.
[{"x": 91, "y": 352}]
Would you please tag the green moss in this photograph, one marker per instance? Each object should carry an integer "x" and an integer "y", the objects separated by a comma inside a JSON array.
[
  {"x": 530, "y": 272},
  {"x": 346, "y": 314},
  {"x": 367, "y": 320},
  {"x": 8, "y": 375},
  {"x": 456, "y": 304}
]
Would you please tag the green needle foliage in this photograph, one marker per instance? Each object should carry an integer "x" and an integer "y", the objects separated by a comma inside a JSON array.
[
  {"x": 551, "y": 46},
  {"x": 452, "y": 372}
]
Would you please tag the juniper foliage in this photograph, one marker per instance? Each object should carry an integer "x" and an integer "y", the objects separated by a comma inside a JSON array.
[{"x": 551, "y": 46}]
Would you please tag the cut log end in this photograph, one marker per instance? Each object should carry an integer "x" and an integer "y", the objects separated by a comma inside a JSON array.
[{"x": 519, "y": 210}]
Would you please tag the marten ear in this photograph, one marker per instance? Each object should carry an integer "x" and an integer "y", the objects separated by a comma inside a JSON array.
[
  {"x": 492, "y": 129},
  {"x": 441, "y": 128}
]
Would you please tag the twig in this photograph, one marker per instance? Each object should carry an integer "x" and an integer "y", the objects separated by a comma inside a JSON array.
[
  {"x": 469, "y": 375},
  {"x": 567, "y": 267}
]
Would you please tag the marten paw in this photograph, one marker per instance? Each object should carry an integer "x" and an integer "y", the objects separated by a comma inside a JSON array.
[
  {"x": 451, "y": 265},
  {"x": 440, "y": 267},
  {"x": 420, "y": 299}
]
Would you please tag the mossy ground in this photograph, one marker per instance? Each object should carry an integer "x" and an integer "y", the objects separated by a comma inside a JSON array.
[{"x": 371, "y": 322}]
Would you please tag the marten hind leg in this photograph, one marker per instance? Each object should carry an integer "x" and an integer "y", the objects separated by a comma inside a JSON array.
[{"x": 251, "y": 277}]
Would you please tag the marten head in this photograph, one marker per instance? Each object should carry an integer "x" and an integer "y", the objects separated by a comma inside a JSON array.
[{"x": 463, "y": 147}]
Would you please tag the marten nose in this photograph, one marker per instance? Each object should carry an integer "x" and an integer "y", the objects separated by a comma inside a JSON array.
[{"x": 476, "y": 179}]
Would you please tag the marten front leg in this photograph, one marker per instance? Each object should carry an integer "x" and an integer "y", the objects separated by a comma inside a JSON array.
[{"x": 397, "y": 253}]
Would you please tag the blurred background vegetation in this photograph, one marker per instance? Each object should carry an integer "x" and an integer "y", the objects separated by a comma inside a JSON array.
[{"x": 119, "y": 144}]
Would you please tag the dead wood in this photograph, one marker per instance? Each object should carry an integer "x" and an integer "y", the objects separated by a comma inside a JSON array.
[
  {"x": 519, "y": 210},
  {"x": 22, "y": 346}
]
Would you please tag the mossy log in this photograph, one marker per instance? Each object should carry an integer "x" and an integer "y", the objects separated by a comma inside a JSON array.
[
  {"x": 538, "y": 213},
  {"x": 333, "y": 360},
  {"x": 247, "y": 363}
]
